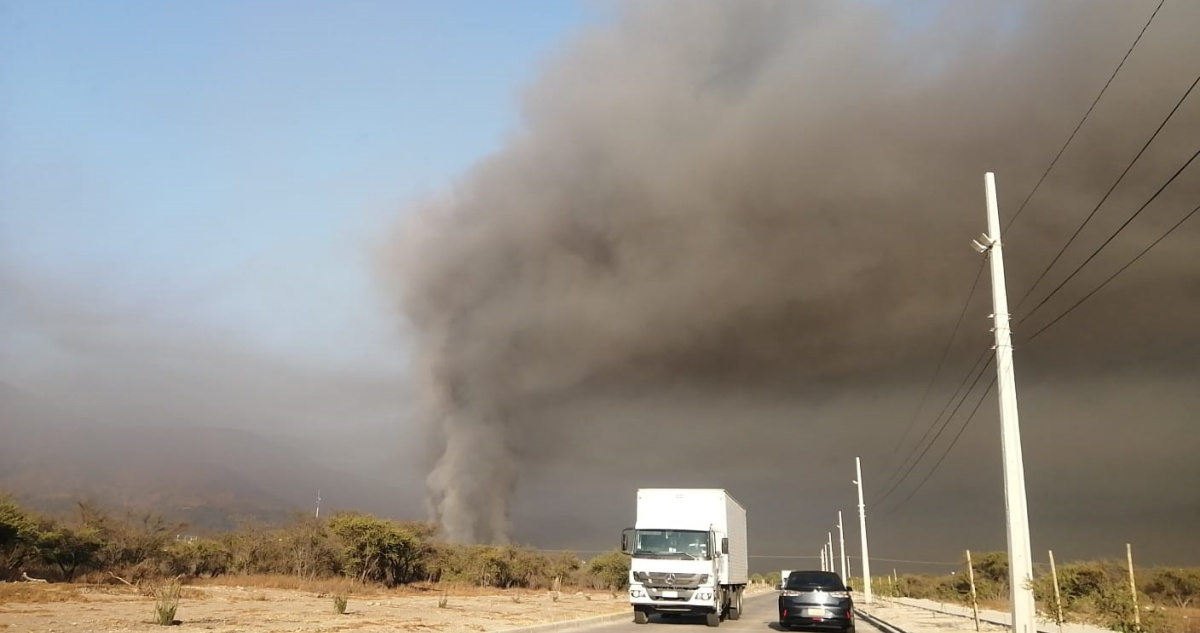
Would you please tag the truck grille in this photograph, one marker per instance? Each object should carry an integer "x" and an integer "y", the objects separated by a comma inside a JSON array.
[{"x": 668, "y": 580}]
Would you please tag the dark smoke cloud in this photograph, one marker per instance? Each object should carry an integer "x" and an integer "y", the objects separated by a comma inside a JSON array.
[{"x": 762, "y": 208}]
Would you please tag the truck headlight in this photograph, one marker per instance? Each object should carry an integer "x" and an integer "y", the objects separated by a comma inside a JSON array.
[{"x": 636, "y": 593}]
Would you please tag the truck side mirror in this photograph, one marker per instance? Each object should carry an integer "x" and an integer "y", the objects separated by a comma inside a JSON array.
[
  {"x": 625, "y": 540},
  {"x": 725, "y": 545}
]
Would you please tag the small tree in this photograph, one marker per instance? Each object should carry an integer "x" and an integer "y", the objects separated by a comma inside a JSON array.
[
  {"x": 1179, "y": 587},
  {"x": 377, "y": 549},
  {"x": 19, "y": 534},
  {"x": 201, "y": 557},
  {"x": 611, "y": 569},
  {"x": 70, "y": 550}
]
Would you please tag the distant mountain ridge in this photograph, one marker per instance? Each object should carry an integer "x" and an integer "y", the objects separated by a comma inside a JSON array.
[{"x": 208, "y": 477}]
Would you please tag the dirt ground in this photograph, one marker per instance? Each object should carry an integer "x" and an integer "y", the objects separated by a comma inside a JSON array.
[{"x": 46, "y": 608}]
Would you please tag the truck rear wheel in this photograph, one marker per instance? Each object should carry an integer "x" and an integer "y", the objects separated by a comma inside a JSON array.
[
  {"x": 640, "y": 616},
  {"x": 735, "y": 605}
]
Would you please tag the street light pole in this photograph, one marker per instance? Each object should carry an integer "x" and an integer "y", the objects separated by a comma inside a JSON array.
[
  {"x": 862, "y": 524},
  {"x": 829, "y": 548},
  {"x": 1020, "y": 559},
  {"x": 842, "y": 545}
]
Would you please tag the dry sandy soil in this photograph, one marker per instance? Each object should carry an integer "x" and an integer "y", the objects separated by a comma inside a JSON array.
[{"x": 42, "y": 608}]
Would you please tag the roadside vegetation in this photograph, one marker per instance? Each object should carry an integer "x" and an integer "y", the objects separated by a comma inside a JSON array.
[
  {"x": 341, "y": 554},
  {"x": 350, "y": 553},
  {"x": 1094, "y": 592}
]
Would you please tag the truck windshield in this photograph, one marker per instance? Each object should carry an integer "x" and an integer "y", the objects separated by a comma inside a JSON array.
[{"x": 693, "y": 544}]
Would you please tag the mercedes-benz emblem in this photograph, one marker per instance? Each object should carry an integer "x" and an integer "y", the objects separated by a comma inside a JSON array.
[{"x": 671, "y": 579}]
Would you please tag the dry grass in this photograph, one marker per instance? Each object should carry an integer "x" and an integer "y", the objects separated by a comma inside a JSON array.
[
  {"x": 331, "y": 586},
  {"x": 244, "y": 608},
  {"x": 321, "y": 586},
  {"x": 1187, "y": 618},
  {"x": 26, "y": 593}
]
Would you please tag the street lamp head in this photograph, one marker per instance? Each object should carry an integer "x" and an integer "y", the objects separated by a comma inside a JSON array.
[{"x": 982, "y": 243}]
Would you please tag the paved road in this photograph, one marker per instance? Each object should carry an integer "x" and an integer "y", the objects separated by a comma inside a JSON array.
[{"x": 761, "y": 614}]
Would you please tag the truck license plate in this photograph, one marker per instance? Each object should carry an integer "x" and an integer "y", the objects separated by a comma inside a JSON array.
[{"x": 670, "y": 594}]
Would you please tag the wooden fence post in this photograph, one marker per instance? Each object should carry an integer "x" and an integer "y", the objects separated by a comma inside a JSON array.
[
  {"x": 974, "y": 599},
  {"x": 1137, "y": 616},
  {"x": 1057, "y": 596}
]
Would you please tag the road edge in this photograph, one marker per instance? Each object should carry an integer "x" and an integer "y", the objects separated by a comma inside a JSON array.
[
  {"x": 565, "y": 625},
  {"x": 595, "y": 620}
]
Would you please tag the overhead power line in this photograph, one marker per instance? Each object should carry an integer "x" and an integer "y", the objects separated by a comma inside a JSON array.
[
  {"x": 941, "y": 361},
  {"x": 1114, "y": 234},
  {"x": 1085, "y": 116},
  {"x": 1091, "y": 215},
  {"x": 949, "y": 448},
  {"x": 1114, "y": 275},
  {"x": 980, "y": 366}
]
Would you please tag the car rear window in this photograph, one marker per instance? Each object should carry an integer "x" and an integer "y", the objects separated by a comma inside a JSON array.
[{"x": 815, "y": 580}]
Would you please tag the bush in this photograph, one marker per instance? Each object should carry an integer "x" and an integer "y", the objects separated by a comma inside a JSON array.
[
  {"x": 1173, "y": 586},
  {"x": 166, "y": 602},
  {"x": 609, "y": 570},
  {"x": 19, "y": 534}
]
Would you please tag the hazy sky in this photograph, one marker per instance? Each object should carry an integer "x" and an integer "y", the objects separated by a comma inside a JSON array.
[
  {"x": 560, "y": 250},
  {"x": 188, "y": 194},
  {"x": 219, "y": 164}
]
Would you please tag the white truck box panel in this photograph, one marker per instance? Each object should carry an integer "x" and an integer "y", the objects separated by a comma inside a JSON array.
[{"x": 699, "y": 509}]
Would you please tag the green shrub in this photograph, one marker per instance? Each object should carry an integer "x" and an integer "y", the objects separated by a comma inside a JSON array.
[{"x": 166, "y": 602}]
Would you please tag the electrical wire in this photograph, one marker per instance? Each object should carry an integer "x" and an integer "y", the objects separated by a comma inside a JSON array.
[
  {"x": 949, "y": 448},
  {"x": 1085, "y": 116},
  {"x": 1114, "y": 275},
  {"x": 980, "y": 366},
  {"x": 941, "y": 361},
  {"x": 892, "y": 481},
  {"x": 1114, "y": 234},
  {"x": 1128, "y": 167}
]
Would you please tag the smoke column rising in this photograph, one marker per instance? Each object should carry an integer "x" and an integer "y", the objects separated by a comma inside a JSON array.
[{"x": 720, "y": 194}]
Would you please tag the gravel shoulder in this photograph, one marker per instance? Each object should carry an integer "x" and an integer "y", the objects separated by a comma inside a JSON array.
[{"x": 49, "y": 608}]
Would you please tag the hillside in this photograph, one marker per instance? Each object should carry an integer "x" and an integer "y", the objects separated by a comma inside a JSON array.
[{"x": 209, "y": 477}]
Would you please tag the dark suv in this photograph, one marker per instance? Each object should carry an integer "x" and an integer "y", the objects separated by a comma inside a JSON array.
[{"x": 816, "y": 599}]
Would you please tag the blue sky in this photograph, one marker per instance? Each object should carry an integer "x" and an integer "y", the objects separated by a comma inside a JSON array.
[{"x": 219, "y": 166}]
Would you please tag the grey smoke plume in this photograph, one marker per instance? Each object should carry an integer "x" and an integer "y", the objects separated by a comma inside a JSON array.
[{"x": 720, "y": 195}]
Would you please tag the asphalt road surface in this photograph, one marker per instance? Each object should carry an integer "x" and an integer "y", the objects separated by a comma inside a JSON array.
[{"x": 761, "y": 614}]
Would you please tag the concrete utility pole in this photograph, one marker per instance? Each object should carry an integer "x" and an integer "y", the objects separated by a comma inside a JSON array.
[
  {"x": 824, "y": 567},
  {"x": 862, "y": 524},
  {"x": 1020, "y": 558},
  {"x": 829, "y": 547},
  {"x": 842, "y": 545}
]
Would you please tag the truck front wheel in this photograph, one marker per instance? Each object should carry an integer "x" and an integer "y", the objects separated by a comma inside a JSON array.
[
  {"x": 640, "y": 616},
  {"x": 735, "y": 605}
]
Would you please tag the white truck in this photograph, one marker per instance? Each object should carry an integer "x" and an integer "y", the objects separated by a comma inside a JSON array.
[{"x": 688, "y": 554}]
